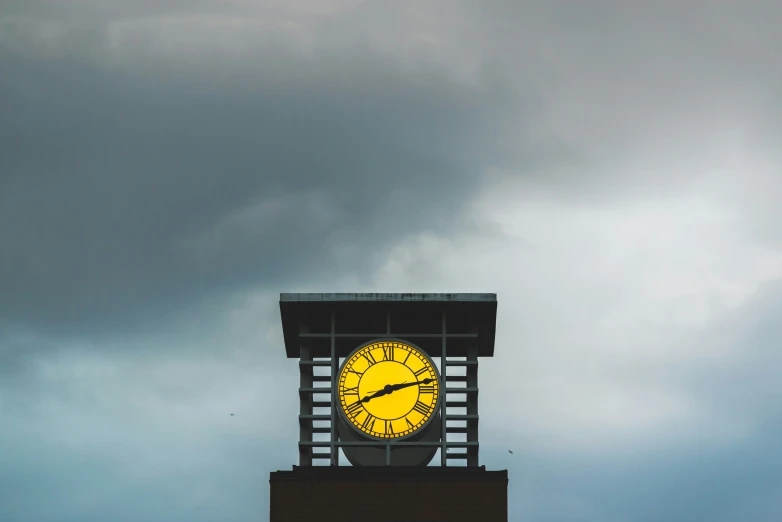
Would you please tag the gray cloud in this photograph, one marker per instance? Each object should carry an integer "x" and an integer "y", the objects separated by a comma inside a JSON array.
[
  {"x": 198, "y": 171},
  {"x": 127, "y": 196}
]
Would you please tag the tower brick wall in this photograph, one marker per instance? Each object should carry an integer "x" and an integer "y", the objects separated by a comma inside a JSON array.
[{"x": 428, "y": 494}]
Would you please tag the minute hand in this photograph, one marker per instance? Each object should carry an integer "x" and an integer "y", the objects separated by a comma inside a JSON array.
[
  {"x": 393, "y": 388},
  {"x": 405, "y": 385}
]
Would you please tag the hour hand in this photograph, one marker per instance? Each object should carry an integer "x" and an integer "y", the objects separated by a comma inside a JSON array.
[{"x": 367, "y": 398}]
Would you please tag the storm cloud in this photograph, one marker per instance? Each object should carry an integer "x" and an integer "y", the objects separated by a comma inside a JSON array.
[{"x": 130, "y": 193}]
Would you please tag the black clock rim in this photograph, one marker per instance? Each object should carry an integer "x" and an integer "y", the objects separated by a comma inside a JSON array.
[{"x": 338, "y": 403}]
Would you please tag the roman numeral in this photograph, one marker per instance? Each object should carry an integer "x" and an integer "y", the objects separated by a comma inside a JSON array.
[
  {"x": 354, "y": 408},
  {"x": 412, "y": 426},
  {"x": 369, "y": 423},
  {"x": 354, "y": 371},
  {"x": 426, "y": 389},
  {"x": 369, "y": 357},
  {"x": 351, "y": 391},
  {"x": 421, "y": 408},
  {"x": 389, "y": 429},
  {"x": 388, "y": 352},
  {"x": 406, "y": 358},
  {"x": 421, "y": 372}
]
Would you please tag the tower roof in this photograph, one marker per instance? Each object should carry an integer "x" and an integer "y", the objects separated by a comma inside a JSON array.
[{"x": 470, "y": 318}]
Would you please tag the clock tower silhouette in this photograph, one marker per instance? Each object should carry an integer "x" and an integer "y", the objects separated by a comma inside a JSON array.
[{"x": 388, "y": 381}]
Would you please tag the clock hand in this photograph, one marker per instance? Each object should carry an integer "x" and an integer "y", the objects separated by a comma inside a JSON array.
[
  {"x": 396, "y": 387},
  {"x": 389, "y": 388},
  {"x": 368, "y": 398},
  {"x": 375, "y": 391}
]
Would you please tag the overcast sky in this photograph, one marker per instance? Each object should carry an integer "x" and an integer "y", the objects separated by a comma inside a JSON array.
[{"x": 611, "y": 169}]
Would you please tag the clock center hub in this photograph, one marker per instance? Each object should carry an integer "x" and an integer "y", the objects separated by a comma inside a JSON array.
[{"x": 394, "y": 403}]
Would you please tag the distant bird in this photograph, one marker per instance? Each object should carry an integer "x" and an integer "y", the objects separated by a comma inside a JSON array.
[
  {"x": 232, "y": 415},
  {"x": 509, "y": 451}
]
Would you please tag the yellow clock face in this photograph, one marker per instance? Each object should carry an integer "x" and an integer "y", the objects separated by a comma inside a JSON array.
[{"x": 388, "y": 389}]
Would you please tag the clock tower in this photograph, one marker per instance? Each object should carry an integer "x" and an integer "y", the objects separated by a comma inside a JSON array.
[{"x": 388, "y": 381}]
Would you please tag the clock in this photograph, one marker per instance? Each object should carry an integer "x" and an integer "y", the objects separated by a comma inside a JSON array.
[{"x": 388, "y": 389}]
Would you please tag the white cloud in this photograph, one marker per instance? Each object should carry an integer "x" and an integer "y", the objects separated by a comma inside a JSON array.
[{"x": 603, "y": 313}]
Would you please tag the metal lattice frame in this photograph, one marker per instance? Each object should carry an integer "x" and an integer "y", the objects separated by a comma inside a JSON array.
[{"x": 307, "y": 390}]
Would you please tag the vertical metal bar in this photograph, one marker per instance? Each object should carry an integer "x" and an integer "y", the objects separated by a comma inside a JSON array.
[
  {"x": 472, "y": 405},
  {"x": 388, "y": 332},
  {"x": 334, "y": 368},
  {"x": 305, "y": 399},
  {"x": 444, "y": 385}
]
